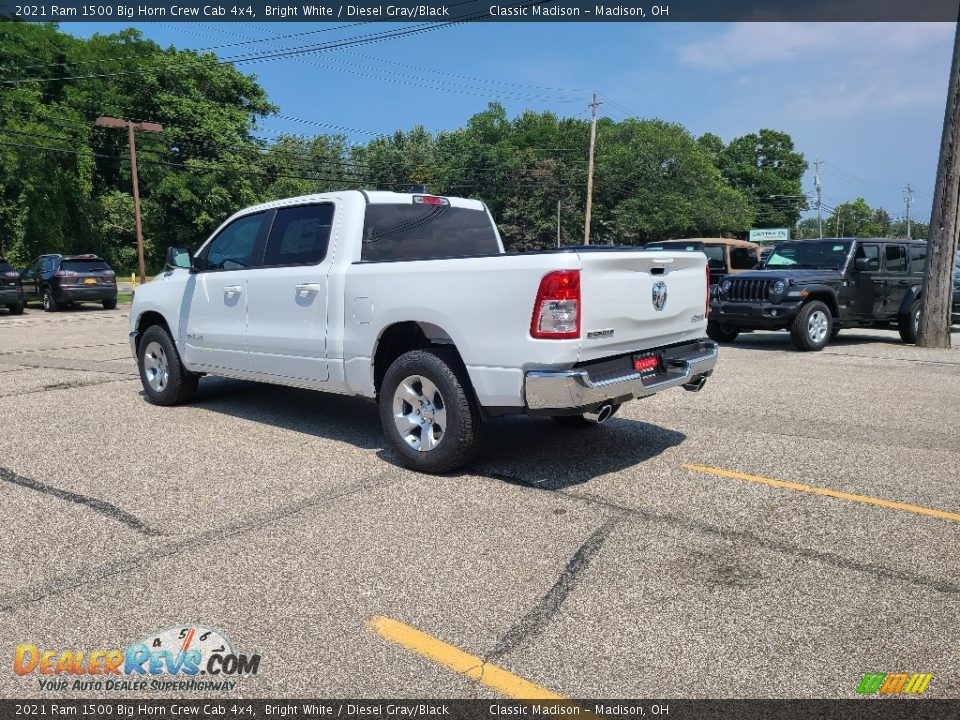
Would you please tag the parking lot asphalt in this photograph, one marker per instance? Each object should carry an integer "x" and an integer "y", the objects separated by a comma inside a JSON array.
[{"x": 648, "y": 557}]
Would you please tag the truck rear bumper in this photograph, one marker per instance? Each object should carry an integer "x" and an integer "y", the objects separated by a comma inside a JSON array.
[{"x": 687, "y": 365}]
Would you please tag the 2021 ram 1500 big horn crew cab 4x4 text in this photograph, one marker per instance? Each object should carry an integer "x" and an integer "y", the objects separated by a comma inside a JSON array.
[{"x": 411, "y": 300}]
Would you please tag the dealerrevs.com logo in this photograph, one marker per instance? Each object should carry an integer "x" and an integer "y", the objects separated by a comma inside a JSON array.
[
  {"x": 894, "y": 683},
  {"x": 181, "y": 658}
]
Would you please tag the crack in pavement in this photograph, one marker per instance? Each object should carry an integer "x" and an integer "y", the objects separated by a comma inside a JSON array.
[
  {"x": 781, "y": 547},
  {"x": 69, "y": 385},
  {"x": 10, "y": 602},
  {"x": 100, "y": 506},
  {"x": 540, "y": 615}
]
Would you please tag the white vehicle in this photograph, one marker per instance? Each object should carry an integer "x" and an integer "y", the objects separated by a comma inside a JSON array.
[{"x": 410, "y": 300}]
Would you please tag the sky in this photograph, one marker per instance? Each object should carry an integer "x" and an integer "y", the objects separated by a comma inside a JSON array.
[{"x": 866, "y": 98}]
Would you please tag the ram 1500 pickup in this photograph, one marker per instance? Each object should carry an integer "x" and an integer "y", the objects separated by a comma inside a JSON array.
[{"x": 410, "y": 300}]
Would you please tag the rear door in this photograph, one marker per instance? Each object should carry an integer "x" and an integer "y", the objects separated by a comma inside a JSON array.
[
  {"x": 287, "y": 311},
  {"x": 634, "y": 300},
  {"x": 898, "y": 279},
  {"x": 217, "y": 295},
  {"x": 88, "y": 272}
]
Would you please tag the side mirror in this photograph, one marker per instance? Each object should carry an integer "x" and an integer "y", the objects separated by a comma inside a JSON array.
[
  {"x": 178, "y": 257},
  {"x": 861, "y": 264}
]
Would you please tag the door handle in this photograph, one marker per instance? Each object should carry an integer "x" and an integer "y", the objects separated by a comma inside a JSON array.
[
  {"x": 304, "y": 288},
  {"x": 232, "y": 289}
]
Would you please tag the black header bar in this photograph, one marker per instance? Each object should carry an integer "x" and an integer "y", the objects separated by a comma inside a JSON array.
[{"x": 420, "y": 11}]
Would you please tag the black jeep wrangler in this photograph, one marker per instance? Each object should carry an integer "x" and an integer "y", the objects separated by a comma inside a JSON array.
[{"x": 816, "y": 287}]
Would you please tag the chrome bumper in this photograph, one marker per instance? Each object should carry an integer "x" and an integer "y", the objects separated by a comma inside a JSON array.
[{"x": 565, "y": 389}]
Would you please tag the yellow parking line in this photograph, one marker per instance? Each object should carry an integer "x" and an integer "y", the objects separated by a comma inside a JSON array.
[
  {"x": 459, "y": 661},
  {"x": 918, "y": 509}
]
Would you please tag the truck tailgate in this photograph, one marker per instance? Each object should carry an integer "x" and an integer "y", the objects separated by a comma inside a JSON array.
[{"x": 619, "y": 312}]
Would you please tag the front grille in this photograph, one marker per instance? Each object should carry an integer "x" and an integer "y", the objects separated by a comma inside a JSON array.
[{"x": 749, "y": 290}]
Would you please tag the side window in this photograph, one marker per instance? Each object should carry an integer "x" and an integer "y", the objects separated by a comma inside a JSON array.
[
  {"x": 32, "y": 269},
  {"x": 742, "y": 258},
  {"x": 871, "y": 253},
  {"x": 895, "y": 258},
  {"x": 46, "y": 265},
  {"x": 233, "y": 248},
  {"x": 918, "y": 258},
  {"x": 715, "y": 257},
  {"x": 300, "y": 235}
]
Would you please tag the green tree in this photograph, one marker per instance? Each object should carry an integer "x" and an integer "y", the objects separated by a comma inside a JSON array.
[{"x": 767, "y": 169}]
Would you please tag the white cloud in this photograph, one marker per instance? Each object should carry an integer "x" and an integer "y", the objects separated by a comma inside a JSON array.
[{"x": 758, "y": 43}]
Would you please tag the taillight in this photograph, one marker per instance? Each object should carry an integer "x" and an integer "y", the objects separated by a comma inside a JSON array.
[
  {"x": 108, "y": 273},
  {"x": 11, "y": 273},
  {"x": 706, "y": 312},
  {"x": 556, "y": 311}
]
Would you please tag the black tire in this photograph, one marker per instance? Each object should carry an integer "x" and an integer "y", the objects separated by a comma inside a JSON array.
[
  {"x": 16, "y": 308},
  {"x": 180, "y": 385},
  {"x": 721, "y": 333},
  {"x": 806, "y": 332},
  {"x": 458, "y": 442},
  {"x": 110, "y": 304},
  {"x": 49, "y": 302},
  {"x": 909, "y": 324},
  {"x": 579, "y": 421}
]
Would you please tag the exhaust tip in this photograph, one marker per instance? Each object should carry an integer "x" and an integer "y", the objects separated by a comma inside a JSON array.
[
  {"x": 696, "y": 385},
  {"x": 601, "y": 415}
]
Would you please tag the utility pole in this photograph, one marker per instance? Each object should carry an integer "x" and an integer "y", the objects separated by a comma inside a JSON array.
[
  {"x": 942, "y": 243},
  {"x": 558, "y": 223},
  {"x": 131, "y": 126},
  {"x": 816, "y": 185},
  {"x": 593, "y": 142},
  {"x": 908, "y": 200}
]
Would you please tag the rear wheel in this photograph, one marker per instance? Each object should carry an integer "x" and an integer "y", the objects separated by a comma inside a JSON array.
[
  {"x": 16, "y": 308},
  {"x": 428, "y": 413},
  {"x": 721, "y": 333},
  {"x": 909, "y": 324},
  {"x": 49, "y": 302},
  {"x": 109, "y": 304},
  {"x": 164, "y": 378},
  {"x": 812, "y": 327}
]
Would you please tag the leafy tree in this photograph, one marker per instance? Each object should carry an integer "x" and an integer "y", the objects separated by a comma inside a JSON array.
[{"x": 767, "y": 169}]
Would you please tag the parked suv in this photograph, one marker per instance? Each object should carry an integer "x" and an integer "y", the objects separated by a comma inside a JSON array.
[
  {"x": 61, "y": 280},
  {"x": 816, "y": 287},
  {"x": 725, "y": 256},
  {"x": 11, "y": 291}
]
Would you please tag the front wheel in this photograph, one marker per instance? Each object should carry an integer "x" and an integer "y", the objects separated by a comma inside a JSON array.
[
  {"x": 812, "y": 327},
  {"x": 909, "y": 324},
  {"x": 721, "y": 333},
  {"x": 164, "y": 378},
  {"x": 428, "y": 414}
]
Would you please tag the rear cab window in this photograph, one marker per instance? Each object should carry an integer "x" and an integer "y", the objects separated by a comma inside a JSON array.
[
  {"x": 425, "y": 230},
  {"x": 299, "y": 235}
]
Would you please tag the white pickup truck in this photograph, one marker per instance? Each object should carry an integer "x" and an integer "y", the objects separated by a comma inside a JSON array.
[{"x": 411, "y": 300}]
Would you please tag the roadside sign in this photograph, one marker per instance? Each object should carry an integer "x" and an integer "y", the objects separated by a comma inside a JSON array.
[{"x": 770, "y": 235}]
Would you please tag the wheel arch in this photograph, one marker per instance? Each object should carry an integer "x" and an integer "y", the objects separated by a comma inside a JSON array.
[
  {"x": 401, "y": 337},
  {"x": 827, "y": 296},
  {"x": 147, "y": 320}
]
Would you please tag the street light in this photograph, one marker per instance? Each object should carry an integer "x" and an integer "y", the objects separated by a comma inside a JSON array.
[{"x": 131, "y": 126}]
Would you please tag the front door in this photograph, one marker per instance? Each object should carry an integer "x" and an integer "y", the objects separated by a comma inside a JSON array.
[
  {"x": 29, "y": 281},
  {"x": 868, "y": 283},
  {"x": 213, "y": 331},
  {"x": 287, "y": 315}
]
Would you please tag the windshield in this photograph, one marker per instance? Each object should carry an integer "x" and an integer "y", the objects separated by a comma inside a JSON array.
[{"x": 819, "y": 254}]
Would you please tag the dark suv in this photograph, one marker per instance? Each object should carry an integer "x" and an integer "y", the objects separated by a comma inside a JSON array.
[
  {"x": 816, "y": 287},
  {"x": 61, "y": 280},
  {"x": 11, "y": 291}
]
